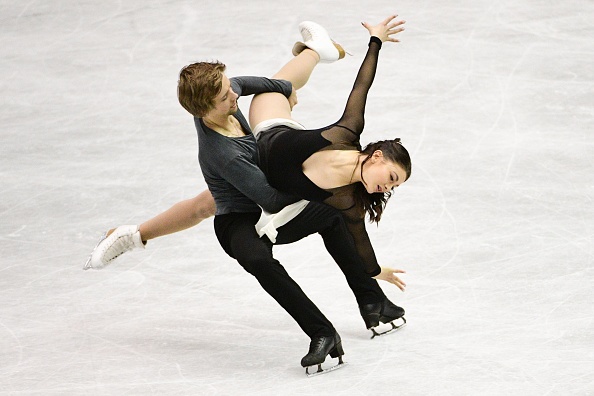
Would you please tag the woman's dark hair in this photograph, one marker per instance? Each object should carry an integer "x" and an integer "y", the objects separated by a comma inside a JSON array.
[{"x": 393, "y": 151}]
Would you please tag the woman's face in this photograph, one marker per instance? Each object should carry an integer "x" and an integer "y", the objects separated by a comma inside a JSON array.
[{"x": 381, "y": 175}]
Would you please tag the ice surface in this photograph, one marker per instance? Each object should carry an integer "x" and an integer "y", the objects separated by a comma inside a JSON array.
[{"x": 495, "y": 101}]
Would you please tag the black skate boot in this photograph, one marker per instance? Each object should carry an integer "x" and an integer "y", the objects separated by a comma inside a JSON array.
[
  {"x": 385, "y": 312},
  {"x": 319, "y": 348}
]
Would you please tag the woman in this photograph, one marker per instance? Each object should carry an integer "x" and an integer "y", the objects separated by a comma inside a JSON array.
[{"x": 326, "y": 164}]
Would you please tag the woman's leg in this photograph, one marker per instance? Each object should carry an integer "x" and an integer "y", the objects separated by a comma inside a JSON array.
[
  {"x": 181, "y": 216},
  {"x": 329, "y": 223},
  {"x": 275, "y": 105}
]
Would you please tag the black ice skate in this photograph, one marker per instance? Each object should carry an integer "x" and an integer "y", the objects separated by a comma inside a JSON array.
[
  {"x": 319, "y": 348},
  {"x": 385, "y": 312}
]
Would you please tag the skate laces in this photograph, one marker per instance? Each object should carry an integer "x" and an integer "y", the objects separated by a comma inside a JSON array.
[
  {"x": 312, "y": 32},
  {"x": 122, "y": 244},
  {"x": 317, "y": 345},
  {"x": 306, "y": 34}
]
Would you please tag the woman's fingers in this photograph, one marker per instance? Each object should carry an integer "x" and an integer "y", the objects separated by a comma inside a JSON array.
[{"x": 388, "y": 19}]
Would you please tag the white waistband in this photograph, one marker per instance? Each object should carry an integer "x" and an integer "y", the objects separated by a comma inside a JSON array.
[{"x": 267, "y": 124}]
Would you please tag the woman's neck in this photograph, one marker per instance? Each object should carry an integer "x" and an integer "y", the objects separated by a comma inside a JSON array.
[{"x": 351, "y": 167}]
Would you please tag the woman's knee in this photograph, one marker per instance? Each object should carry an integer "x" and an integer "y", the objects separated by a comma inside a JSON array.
[{"x": 267, "y": 106}]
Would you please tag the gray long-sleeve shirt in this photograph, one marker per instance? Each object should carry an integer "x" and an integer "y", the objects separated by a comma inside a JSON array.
[{"x": 230, "y": 164}]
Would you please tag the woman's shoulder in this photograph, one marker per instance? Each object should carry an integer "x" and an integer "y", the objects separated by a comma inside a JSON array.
[{"x": 341, "y": 135}]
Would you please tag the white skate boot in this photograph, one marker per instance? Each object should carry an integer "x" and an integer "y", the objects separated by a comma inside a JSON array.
[
  {"x": 121, "y": 240},
  {"x": 315, "y": 37}
]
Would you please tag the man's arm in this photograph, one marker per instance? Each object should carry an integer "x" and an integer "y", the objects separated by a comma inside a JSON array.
[
  {"x": 248, "y": 85},
  {"x": 245, "y": 176}
]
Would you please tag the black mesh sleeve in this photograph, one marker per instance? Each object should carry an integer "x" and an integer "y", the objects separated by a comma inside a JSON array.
[
  {"x": 353, "y": 117},
  {"x": 354, "y": 216},
  {"x": 347, "y": 131}
]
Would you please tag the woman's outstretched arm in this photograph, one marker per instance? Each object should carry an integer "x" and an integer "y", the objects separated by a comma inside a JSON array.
[{"x": 353, "y": 117}]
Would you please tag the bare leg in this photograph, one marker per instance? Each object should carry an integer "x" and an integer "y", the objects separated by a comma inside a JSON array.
[
  {"x": 181, "y": 216},
  {"x": 299, "y": 69},
  {"x": 275, "y": 105}
]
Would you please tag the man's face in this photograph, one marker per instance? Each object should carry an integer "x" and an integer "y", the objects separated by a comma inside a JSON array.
[{"x": 226, "y": 100}]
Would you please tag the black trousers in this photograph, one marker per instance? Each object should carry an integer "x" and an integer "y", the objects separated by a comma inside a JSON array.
[{"x": 238, "y": 237}]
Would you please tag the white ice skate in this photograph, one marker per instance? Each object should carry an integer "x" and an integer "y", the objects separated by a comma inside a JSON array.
[
  {"x": 121, "y": 240},
  {"x": 315, "y": 37}
]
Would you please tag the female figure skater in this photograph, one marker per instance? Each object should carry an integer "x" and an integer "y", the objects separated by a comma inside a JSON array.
[{"x": 326, "y": 164}]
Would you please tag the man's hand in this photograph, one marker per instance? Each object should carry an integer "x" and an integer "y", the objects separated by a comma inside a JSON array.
[
  {"x": 388, "y": 275},
  {"x": 293, "y": 99}
]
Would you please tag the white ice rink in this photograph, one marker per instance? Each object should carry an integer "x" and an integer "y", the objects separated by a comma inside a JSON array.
[{"x": 494, "y": 100}]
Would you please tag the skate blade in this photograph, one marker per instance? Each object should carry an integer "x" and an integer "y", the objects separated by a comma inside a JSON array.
[
  {"x": 321, "y": 371},
  {"x": 341, "y": 50},
  {"x": 88, "y": 263},
  {"x": 393, "y": 329}
]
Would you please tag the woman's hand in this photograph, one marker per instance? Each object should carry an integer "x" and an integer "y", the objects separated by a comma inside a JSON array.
[
  {"x": 386, "y": 29},
  {"x": 388, "y": 275}
]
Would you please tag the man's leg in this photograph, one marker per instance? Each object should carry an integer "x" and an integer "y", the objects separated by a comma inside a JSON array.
[{"x": 239, "y": 239}]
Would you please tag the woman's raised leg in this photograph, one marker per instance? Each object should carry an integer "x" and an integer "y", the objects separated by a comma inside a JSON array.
[{"x": 275, "y": 105}]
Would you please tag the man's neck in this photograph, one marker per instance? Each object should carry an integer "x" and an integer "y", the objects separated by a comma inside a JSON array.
[
  {"x": 225, "y": 125},
  {"x": 222, "y": 121}
]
